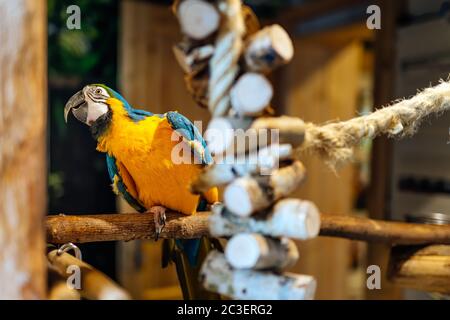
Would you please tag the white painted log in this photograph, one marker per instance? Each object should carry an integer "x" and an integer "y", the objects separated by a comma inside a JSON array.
[
  {"x": 198, "y": 18},
  {"x": 293, "y": 218},
  {"x": 193, "y": 60},
  {"x": 251, "y": 94},
  {"x": 268, "y": 48},
  {"x": 218, "y": 276},
  {"x": 254, "y": 251},
  {"x": 241, "y": 135},
  {"x": 225, "y": 170},
  {"x": 247, "y": 195}
]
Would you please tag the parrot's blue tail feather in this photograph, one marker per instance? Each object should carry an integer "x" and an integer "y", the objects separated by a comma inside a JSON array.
[
  {"x": 188, "y": 254},
  {"x": 191, "y": 248}
]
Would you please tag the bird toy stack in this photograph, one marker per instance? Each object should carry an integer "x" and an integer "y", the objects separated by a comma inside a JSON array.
[{"x": 226, "y": 58}]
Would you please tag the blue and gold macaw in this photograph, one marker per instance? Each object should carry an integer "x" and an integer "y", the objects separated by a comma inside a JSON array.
[{"x": 139, "y": 147}]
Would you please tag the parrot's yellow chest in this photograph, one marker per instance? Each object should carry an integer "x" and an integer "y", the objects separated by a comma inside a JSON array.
[{"x": 144, "y": 150}]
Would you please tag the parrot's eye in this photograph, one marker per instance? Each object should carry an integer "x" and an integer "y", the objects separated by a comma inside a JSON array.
[{"x": 98, "y": 91}]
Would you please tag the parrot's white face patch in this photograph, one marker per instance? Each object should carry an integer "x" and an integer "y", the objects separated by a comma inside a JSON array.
[{"x": 95, "y": 111}]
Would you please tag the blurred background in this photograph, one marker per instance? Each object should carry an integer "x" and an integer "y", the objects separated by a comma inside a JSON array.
[{"x": 341, "y": 68}]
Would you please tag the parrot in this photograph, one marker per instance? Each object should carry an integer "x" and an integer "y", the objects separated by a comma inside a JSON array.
[{"x": 139, "y": 157}]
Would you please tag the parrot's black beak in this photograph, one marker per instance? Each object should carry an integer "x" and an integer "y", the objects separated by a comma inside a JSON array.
[{"x": 78, "y": 106}]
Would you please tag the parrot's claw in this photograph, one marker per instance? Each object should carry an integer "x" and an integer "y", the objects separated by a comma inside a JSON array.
[{"x": 159, "y": 216}]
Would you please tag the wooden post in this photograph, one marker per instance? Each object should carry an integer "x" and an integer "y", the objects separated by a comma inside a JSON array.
[
  {"x": 385, "y": 40},
  {"x": 23, "y": 92}
]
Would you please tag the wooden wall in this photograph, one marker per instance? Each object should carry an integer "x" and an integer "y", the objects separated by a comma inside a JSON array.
[{"x": 23, "y": 93}]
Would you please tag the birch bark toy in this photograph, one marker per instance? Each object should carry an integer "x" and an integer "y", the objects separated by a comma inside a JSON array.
[{"x": 253, "y": 181}]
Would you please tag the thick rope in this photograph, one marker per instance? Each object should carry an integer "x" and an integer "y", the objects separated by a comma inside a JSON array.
[
  {"x": 335, "y": 141},
  {"x": 223, "y": 65}
]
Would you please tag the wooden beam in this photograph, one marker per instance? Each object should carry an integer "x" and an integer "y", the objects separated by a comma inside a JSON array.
[
  {"x": 131, "y": 226},
  {"x": 292, "y": 15},
  {"x": 23, "y": 117},
  {"x": 423, "y": 268}
]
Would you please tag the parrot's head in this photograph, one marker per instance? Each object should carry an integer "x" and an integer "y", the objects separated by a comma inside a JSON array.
[{"x": 89, "y": 105}]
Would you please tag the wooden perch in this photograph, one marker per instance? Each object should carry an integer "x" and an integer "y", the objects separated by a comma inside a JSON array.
[
  {"x": 198, "y": 18},
  {"x": 223, "y": 134},
  {"x": 254, "y": 251},
  {"x": 268, "y": 48},
  {"x": 251, "y": 94},
  {"x": 369, "y": 230},
  {"x": 293, "y": 218},
  {"x": 58, "y": 288},
  {"x": 60, "y": 291},
  {"x": 219, "y": 174},
  {"x": 218, "y": 276},
  {"x": 423, "y": 268},
  {"x": 247, "y": 195},
  {"x": 94, "y": 284},
  {"x": 130, "y": 226},
  {"x": 123, "y": 227}
]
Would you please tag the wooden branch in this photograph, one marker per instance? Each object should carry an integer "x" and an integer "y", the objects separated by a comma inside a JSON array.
[
  {"x": 94, "y": 284},
  {"x": 123, "y": 227},
  {"x": 218, "y": 276},
  {"x": 424, "y": 268},
  {"x": 130, "y": 226},
  {"x": 370, "y": 230}
]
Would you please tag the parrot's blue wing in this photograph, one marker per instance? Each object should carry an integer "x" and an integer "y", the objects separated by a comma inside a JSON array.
[
  {"x": 190, "y": 132},
  {"x": 117, "y": 181}
]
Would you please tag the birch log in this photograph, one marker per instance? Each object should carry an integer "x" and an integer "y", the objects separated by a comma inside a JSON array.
[
  {"x": 268, "y": 48},
  {"x": 225, "y": 170},
  {"x": 254, "y": 251},
  {"x": 23, "y": 90},
  {"x": 251, "y": 94},
  {"x": 293, "y": 218},
  {"x": 94, "y": 284},
  {"x": 192, "y": 59},
  {"x": 198, "y": 18},
  {"x": 218, "y": 276},
  {"x": 230, "y": 135},
  {"x": 247, "y": 195}
]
